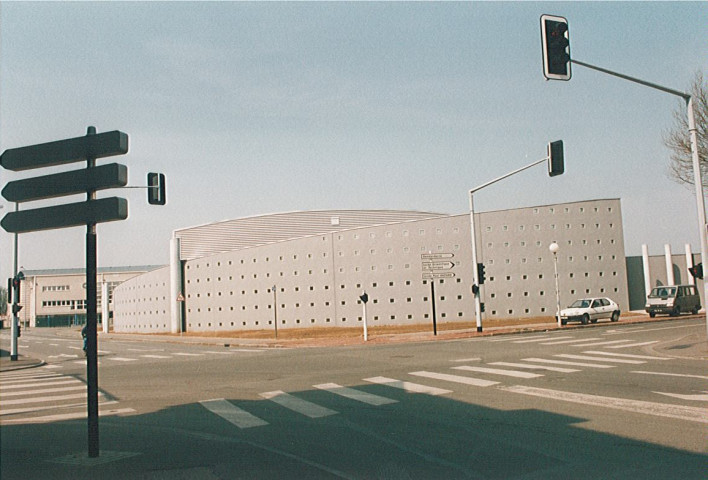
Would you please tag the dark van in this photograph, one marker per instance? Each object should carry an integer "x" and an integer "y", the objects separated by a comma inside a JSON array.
[{"x": 672, "y": 300}]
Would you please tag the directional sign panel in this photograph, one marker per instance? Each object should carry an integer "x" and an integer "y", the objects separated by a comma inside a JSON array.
[
  {"x": 429, "y": 275},
  {"x": 435, "y": 256},
  {"x": 65, "y": 151},
  {"x": 68, "y": 183},
  {"x": 68, "y": 215},
  {"x": 438, "y": 265}
]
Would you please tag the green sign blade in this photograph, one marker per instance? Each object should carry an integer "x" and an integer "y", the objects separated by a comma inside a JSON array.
[
  {"x": 67, "y": 215},
  {"x": 65, "y": 151},
  {"x": 112, "y": 175}
]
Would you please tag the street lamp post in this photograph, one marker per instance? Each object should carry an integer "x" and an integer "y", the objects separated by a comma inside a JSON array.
[
  {"x": 553, "y": 247},
  {"x": 275, "y": 311}
]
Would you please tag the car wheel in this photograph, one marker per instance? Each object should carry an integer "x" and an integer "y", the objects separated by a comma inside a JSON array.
[
  {"x": 586, "y": 319},
  {"x": 563, "y": 321},
  {"x": 615, "y": 316},
  {"x": 695, "y": 310},
  {"x": 652, "y": 314},
  {"x": 676, "y": 311}
]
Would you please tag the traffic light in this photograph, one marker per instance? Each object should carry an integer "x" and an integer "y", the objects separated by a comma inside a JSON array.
[
  {"x": 480, "y": 273},
  {"x": 475, "y": 289},
  {"x": 16, "y": 309},
  {"x": 364, "y": 297},
  {"x": 156, "y": 189},
  {"x": 697, "y": 271},
  {"x": 556, "y": 47},
  {"x": 16, "y": 288},
  {"x": 556, "y": 164}
]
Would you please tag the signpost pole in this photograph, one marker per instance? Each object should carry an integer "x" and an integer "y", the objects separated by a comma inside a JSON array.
[
  {"x": 432, "y": 298},
  {"x": 91, "y": 323},
  {"x": 15, "y": 319}
]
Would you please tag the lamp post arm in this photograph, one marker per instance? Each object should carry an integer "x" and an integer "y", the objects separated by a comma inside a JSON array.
[{"x": 507, "y": 175}]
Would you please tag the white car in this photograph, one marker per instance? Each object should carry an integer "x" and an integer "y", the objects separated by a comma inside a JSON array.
[{"x": 586, "y": 310}]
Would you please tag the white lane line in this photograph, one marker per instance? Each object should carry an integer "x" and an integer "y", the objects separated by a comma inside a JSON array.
[
  {"x": 122, "y": 359},
  {"x": 407, "y": 386},
  {"x": 535, "y": 367},
  {"x": 562, "y": 342},
  {"x": 594, "y": 344},
  {"x": 219, "y": 353},
  {"x": 634, "y": 344},
  {"x": 499, "y": 371},
  {"x": 691, "y": 414},
  {"x": 541, "y": 339},
  {"x": 68, "y": 416},
  {"x": 155, "y": 356},
  {"x": 354, "y": 394},
  {"x": 43, "y": 391},
  {"x": 701, "y": 397},
  {"x": 627, "y": 355},
  {"x": 600, "y": 359},
  {"x": 477, "y": 382},
  {"x": 298, "y": 405},
  {"x": 231, "y": 413},
  {"x": 561, "y": 362},
  {"x": 672, "y": 374},
  {"x": 189, "y": 354},
  {"x": 463, "y": 360}
]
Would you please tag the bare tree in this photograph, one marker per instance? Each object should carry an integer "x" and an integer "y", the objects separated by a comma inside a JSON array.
[{"x": 677, "y": 138}]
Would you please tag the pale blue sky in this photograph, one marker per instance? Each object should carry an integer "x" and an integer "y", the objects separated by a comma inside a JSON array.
[{"x": 253, "y": 108}]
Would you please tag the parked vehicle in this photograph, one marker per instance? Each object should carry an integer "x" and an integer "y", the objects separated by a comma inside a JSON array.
[
  {"x": 672, "y": 300},
  {"x": 587, "y": 310}
]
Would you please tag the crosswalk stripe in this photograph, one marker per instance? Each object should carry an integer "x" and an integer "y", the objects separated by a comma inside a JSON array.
[
  {"x": 535, "y": 367},
  {"x": 611, "y": 360},
  {"x": 407, "y": 386},
  {"x": 499, "y": 371},
  {"x": 62, "y": 381},
  {"x": 123, "y": 359},
  {"x": 298, "y": 405},
  {"x": 233, "y": 414},
  {"x": 477, "y": 382},
  {"x": 54, "y": 398},
  {"x": 562, "y": 362},
  {"x": 50, "y": 407},
  {"x": 593, "y": 344},
  {"x": 634, "y": 344},
  {"x": 703, "y": 377},
  {"x": 540, "y": 339},
  {"x": 43, "y": 391},
  {"x": 67, "y": 416},
  {"x": 354, "y": 394},
  {"x": 626, "y": 355},
  {"x": 691, "y": 414},
  {"x": 562, "y": 342}
]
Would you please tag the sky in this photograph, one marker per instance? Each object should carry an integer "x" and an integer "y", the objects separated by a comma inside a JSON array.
[{"x": 264, "y": 107}]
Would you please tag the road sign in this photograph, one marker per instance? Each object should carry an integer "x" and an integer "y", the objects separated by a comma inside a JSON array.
[
  {"x": 65, "y": 151},
  {"x": 67, "y": 215},
  {"x": 429, "y": 275},
  {"x": 68, "y": 183},
  {"x": 435, "y": 256},
  {"x": 438, "y": 265}
]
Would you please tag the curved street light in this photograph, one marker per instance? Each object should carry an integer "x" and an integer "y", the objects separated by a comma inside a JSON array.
[{"x": 554, "y": 247}]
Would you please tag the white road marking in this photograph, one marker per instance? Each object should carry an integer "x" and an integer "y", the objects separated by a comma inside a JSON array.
[
  {"x": 499, "y": 371},
  {"x": 690, "y": 414},
  {"x": 562, "y": 362},
  {"x": 477, "y": 382},
  {"x": 155, "y": 356},
  {"x": 55, "y": 398},
  {"x": 68, "y": 416},
  {"x": 594, "y": 344},
  {"x": 298, "y": 405},
  {"x": 535, "y": 367},
  {"x": 672, "y": 374},
  {"x": 600, "y": 359},
  {"x": 44, "y": 391},
  {"x": 354, "y": 394},
  {"x": 568, "y": 341},
  {"x": 232, "y": 414},
  {"x": 540, "y": 339},
  {"x": 407, "y": 386},
  {"x": 122, "y": 359},
  {"x": 701, "y": 397},
  {"x": 473, "y": 359},
  {"x": 627, "y": 355},
  {"x": 634, "y": 344},
  {"x": 189, "y": 354}
]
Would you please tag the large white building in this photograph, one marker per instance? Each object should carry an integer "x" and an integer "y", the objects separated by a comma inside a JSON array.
[{"x": 309, "y": 268}]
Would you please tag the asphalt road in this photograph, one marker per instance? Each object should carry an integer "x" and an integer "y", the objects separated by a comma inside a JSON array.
[{"x": 605, "y": 401}]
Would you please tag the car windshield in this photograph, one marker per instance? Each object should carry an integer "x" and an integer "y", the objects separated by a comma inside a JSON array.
[
  {"x": 663, "y": 292},
  {"x": 580, "y": 304}
]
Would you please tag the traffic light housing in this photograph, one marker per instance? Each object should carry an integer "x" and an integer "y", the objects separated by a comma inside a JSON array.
[
  {"x": 16, "y": 282},
  {"x": 156, "y": 189},
  {"x": 480, "y": 273},
  {"x": 556, "y": 163},
  {"x": 364, "y": 297},
  {"x": 697, "y": 271},
  {"x": 556, "y": 47}
]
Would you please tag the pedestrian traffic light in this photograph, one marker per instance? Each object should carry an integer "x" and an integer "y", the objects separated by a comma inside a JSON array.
[
  {"x": 16, "y": 288},
  {"x": 480, "y": 273},
  {"x": 481, "y": 307},
  {"x": 697, "y": 271},
  {"x": 556, "y": 47},
  {"x": 556, "y": 164},
  {"x": 364, "y": 297},
  {"x": 156, "y": 189},
  {"x": 475, "y": 289}
]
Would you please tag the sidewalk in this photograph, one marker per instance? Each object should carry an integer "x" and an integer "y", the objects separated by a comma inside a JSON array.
[{"x": 21, "y": 363}]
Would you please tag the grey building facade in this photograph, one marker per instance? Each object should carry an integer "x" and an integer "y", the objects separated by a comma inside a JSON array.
[{"x": 308, "y": 269}]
